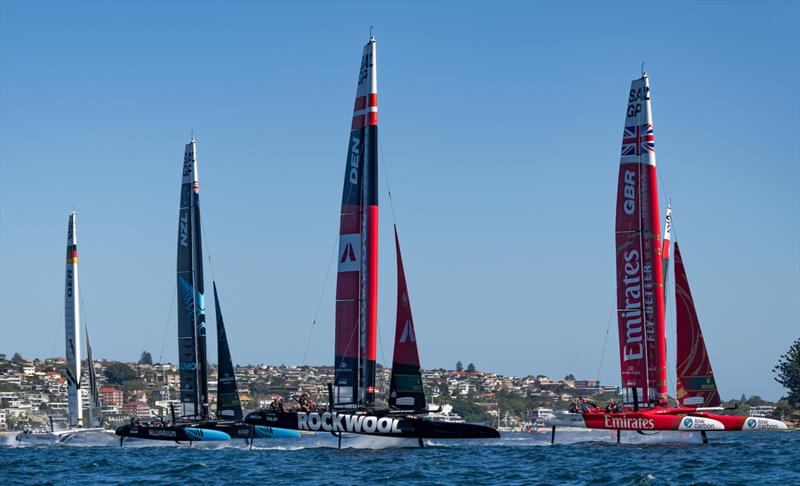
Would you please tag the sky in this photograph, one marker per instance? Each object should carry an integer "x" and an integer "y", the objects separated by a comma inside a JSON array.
[{"x": 500, "y": 128}]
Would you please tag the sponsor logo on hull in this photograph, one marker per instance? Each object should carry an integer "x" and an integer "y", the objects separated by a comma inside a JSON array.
[
  {"x": 756, "y": 423},
  {"x": 629, "y": 423},
  {"x": 161, "y": 433},
  {"x": 699, "y": 423},
  {"x": 358, "y": 424}
]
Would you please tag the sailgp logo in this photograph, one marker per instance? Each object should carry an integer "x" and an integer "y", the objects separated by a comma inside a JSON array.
[
  {"x": 349, "y": 252},
  {"x": 360, "y": 424},
  {"x": 408, "y": 333}
]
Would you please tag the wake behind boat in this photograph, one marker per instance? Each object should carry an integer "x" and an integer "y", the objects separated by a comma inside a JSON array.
[
  {"x": 352, "y": 395},
  {"x": 195, "y": 422},
  {"x": 642, "y": 264}
]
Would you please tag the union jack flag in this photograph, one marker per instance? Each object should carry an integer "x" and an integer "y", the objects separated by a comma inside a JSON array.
[{"x": 638, "y": 139}]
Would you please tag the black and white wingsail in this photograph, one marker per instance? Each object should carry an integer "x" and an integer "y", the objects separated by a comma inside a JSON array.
[
  {"x": 195, "y": 422},
  {"x": 228, "y": 404}
]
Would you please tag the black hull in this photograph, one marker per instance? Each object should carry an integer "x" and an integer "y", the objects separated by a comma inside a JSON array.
[
  {"x": 378, "y": 423},
  {"x": 190, "y": 432}
]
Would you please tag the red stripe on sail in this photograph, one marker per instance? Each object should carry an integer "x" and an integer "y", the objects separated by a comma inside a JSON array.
[
  {"x": 373, "y": 99},
  {"x": 361, "y": 103},
  {"x": 372, "y": 283},
  {"x": 358, "y": 122},
  {"x": 372, "y": 118},
  {"x": 695, "y": 377}
]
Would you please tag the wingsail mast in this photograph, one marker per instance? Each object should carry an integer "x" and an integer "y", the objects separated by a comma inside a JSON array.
[
  {"x": 665, "y": 254},
  {"x": 72, "y": 321},
  {"x": 357, "y": 278},
  {"x": 228, "y": 404},
  {"x": 640, "y": 293},
  {"x": 191, "y": 315},
  {"x": 405, "y": 389}
]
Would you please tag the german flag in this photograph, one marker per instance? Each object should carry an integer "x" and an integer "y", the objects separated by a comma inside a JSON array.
[{"x": 72, "y": 254}]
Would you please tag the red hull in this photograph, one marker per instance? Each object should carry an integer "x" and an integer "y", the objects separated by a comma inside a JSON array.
[{"x": 683, "y": 419}]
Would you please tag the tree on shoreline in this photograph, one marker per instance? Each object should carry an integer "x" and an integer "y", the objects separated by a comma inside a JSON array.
[{"x": 788, "y": 371}]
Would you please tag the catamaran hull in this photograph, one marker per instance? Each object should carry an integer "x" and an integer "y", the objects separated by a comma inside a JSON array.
[
  {"x": 58, "y": 437},
  {"x": 205, "y": 432},
  {"x": 383, "y": 425},
  {"x": 659, "y": 420}
]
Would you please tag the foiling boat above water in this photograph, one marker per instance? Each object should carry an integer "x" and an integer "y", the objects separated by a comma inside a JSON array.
[
  {"x": 642, "y": 263},
  {"x": 195, "y": 422},
  {"x": 72, "y": 319},
  {"x": 352, "y": 395}
]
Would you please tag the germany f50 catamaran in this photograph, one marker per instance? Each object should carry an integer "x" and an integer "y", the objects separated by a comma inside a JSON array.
[
  {"x": 72, "y": 336},
  {"x": 195, "y": 422},
  {"x": 352, "y": 395},
  {"x": 642, "y": 262}
]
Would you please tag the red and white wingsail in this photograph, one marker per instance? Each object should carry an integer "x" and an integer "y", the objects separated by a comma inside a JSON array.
[
  {"x": 640, "y": 293},
  {"x": 695, "y": 378},
  {"x": 357, "y": 278}
]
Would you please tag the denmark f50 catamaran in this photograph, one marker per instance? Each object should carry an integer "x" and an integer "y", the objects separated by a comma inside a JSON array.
[
  {"x": 642, "y": 262},
  {"x": 195, "y": 422},
  {"x": 72, "y": 335},
  {"x": 352, "y": 395}
]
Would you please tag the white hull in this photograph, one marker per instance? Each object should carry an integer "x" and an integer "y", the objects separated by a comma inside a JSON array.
[{"x": 57, "y": 437}]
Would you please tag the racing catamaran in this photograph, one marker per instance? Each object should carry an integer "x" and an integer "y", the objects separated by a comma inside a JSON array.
[
  {"x": 352, "y": 395},
  {"x": 195, "y": 422},
  {"x": 642, "y": 260},
  {"x": 72, "y": 334}
]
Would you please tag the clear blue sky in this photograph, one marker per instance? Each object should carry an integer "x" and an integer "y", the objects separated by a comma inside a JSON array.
[{"x": 500, "y": 127}]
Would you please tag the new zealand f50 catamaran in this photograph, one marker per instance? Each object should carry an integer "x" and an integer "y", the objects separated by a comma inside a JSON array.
[
  {"x": 642, "y": 262},
  {"x": 195, "y": 422},
  {"x": 352, "y": 395},
  {"x": 72, "y": 335}
]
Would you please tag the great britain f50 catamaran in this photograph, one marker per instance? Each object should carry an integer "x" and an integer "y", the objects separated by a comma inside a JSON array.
[
  {"x": 642, "y": 262},
  {"x": 352, "y": 395}
]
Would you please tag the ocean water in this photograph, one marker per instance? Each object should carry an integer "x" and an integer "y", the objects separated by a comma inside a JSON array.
[{"x": 577, "y": 458}]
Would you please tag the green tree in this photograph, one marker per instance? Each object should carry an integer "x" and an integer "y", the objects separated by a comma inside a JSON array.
[
  {"x": 146, "y": 358},
  {"x": 118, "y": 373},
  {"x": 471, "y": 368},
  {"x": 17, "y": 359},
  {"x": 459, "y": 366},
  {"x": 782, "y": 409},
  {"x": 788, "y": 371},
  {"x": 570, "y": 377}
]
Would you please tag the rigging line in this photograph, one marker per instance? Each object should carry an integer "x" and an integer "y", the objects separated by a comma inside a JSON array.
[
  {"x": 166, "y": 326},
  {"x": 319, "y": 301},
  {"x": 605, "y": 340},
  {"x": 58, "y": 328},
  {"x": 208, "y": 251},
  {"x": 386, "y": 176}
]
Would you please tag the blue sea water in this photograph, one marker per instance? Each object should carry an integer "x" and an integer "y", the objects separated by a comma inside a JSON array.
[{"x": 577, "y": 458}]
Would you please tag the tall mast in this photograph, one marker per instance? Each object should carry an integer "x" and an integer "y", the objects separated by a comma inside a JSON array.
[
  {"x": 357, "y": 277},
  {"x": 72, "y": 321},
  {"x": 191, "y": 316},
  {"x": 640, "y": 292}
]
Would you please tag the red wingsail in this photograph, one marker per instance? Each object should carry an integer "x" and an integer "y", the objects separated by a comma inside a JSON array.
[
  {"x": 640, "y": 293},
  {"x": 695, "y": 378},
  {"x": 405, "y": 389},
  {"x": 357, "y": 278}
]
